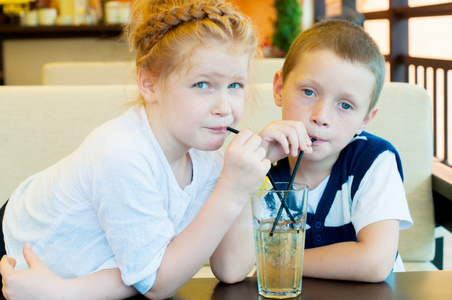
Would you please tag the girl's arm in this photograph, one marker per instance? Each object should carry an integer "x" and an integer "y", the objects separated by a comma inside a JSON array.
[
  {"x": 219, "y": 221},
  {"x": 39, "y": 282},
  {"x": 234, "y": 258},
  {"x": 244, "y": 169},
  {"x": 370, "y": 259}
]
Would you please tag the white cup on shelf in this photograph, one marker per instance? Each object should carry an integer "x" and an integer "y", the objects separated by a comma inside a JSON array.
[
  {"x": 31, "y": 18},
  {"x": 47, "y": 16}
]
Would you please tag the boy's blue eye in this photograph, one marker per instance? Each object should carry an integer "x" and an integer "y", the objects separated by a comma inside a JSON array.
[
  {"x": 345, "y": 106},
  {"x": 235, "y": 85},
  {"x": 308, "y": 93},
  {"x": 201, "y": 85}
]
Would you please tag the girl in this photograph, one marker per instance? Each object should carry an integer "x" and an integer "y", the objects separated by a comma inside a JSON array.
[{"x": 144, "y": 202}]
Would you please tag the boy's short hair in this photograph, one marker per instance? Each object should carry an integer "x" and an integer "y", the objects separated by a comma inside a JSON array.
[{"x": 345, "y": 39}]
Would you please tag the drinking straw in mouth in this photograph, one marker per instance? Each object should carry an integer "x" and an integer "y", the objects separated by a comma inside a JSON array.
[{"x": 232, "y": 130}]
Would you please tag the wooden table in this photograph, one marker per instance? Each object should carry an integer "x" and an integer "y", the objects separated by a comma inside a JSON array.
[{"x": 435, "y": 285}]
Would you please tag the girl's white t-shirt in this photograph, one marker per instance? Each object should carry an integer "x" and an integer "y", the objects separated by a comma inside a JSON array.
[{"x": 114, "y": 202}]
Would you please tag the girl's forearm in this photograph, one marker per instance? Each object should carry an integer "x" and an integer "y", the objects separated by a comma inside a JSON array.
[
  {"x": 104, "y": 284},
  {"x": 234, "y": 257},
  {"x": 191, "y": 248}
]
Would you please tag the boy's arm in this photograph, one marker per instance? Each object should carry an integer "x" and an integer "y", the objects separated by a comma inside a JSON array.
[
  {"x": 370, "y": 259},
  {"x": 39, "y": 282},
  {"x": 285, "y": 137}
]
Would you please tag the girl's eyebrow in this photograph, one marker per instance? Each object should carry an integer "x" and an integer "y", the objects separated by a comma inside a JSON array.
[{"x": 221, "y": 75}]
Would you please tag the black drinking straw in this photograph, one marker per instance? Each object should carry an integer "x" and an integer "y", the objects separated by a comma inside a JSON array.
[
  {"x": 232, "y": 130},
  {"x": 283, "y": 203},
  {"x": 273, "y": 183},
  {"x": 289, "y": 187}
]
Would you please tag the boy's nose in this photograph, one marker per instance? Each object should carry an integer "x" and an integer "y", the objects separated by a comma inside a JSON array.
[{"x": 320, "y": 114}]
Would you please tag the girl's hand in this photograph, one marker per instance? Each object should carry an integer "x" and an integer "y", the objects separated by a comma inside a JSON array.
[
  {"x": 37, "y": 282},
  {"x": 245, "y": 165},
  {"x": 283, "y": 138}
]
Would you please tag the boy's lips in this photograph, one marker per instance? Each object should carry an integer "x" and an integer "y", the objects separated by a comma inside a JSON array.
[{"x": 317, "y": 140}]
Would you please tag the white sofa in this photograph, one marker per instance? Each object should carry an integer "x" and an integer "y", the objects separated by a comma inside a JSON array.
[
  {"x": 89, "y": 73},
  {"x": 123, "y": 72},
  {"x": 41, "y": 124}
]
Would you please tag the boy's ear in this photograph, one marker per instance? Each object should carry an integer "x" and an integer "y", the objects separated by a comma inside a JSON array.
[
  {"x": 367, "y": 119},
  {"x": 146, "y": 85},
  {"x": 277, "y": 88}
]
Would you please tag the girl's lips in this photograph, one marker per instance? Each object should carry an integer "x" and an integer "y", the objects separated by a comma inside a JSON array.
[{"x": 218, "y": 129}]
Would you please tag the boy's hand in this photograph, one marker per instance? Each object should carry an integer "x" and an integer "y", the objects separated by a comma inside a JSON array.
[
  {"x": 283, "y": 138},
  {"x": 245, "y": 165}
]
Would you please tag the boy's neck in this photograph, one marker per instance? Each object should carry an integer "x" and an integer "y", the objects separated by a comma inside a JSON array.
[{"x": 312, "y": 173}]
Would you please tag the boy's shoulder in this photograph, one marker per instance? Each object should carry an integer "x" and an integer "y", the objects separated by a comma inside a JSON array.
[
  {"x": 369, "y": 142},
  {"x": 359, "y": 155},
  {"x": 364, "y": 149}
]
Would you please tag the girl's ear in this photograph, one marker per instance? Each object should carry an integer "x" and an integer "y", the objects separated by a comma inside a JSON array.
[
  {"x": 146, "y": 85},
  {"x": 277, "y": 88},
  {"x": 367, "y": 119}
]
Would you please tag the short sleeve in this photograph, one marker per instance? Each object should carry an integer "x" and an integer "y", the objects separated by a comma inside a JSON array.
[
  {"x": 133, "y": 213},
  {"x": 381, "y": 195}
]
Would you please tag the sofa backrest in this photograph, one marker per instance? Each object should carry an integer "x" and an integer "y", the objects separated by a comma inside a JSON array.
[
  {"x": 89, "y": 73},
  {"x": 405, "y": 119},
  {"x": 124, "y": 72},
  {"x": 39, "y": 125}
]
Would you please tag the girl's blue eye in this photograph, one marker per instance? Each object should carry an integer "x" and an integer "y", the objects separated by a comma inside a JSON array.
[
  {"x": 308, "y": 93},
  {"x": 345, "y": 106},
  {"x": 201, "y": 85},
  {"x": 235, "y": 85}
]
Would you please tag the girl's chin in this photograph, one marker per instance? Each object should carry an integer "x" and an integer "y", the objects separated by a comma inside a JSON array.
[{"x": 212, "y": 147}]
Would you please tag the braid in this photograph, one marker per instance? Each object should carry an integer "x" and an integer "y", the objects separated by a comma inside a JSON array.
[
  {"x": 160, "y": 23},
  {"x": 165, "y": 33}
]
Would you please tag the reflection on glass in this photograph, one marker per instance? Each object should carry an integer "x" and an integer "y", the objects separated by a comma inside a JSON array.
[
  {"x": 426, "y": 2},
  {"x": 379, "y": 31},
  {"x": 427, "y": 38},
  {"x": 371, "y": 5}
]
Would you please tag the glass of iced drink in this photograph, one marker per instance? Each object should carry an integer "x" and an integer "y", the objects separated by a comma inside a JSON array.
[{"x": 279, "y": 233}]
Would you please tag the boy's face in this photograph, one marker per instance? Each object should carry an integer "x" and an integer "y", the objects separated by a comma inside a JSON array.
[{"x": 331, "y": 96}]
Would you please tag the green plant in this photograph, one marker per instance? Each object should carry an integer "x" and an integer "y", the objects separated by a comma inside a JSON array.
[{"x": 287, "y": 24}]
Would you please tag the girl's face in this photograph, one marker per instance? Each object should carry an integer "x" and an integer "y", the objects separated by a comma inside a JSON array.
[
  {"x": 331, "y": 96},
  {"x": 198, "y": 103}
]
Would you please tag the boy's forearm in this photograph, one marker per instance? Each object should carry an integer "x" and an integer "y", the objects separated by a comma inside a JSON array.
[{"x": 371, "y": 259}]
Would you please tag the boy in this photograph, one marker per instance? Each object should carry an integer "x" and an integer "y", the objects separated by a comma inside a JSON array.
[{"x": 331, "y": 80}]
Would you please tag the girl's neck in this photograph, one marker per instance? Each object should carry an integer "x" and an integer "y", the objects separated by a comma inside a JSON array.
[{"x": 177, "y": 156}]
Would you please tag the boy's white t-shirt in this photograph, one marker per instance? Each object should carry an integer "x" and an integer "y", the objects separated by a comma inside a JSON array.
[
  {"x": 380, "y": 196},
  {"x": 114, "y": 202}
]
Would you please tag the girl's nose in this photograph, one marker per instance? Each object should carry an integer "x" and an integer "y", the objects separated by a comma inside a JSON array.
[{"x": 222, "y": 106}]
